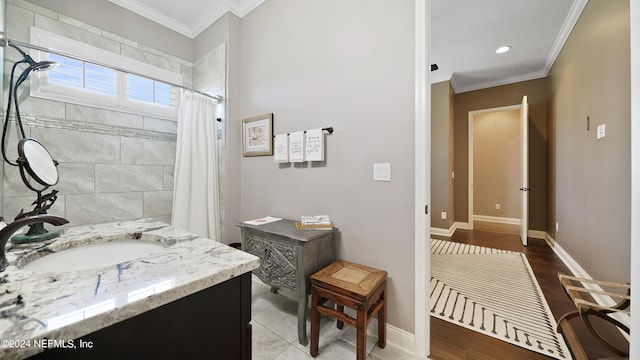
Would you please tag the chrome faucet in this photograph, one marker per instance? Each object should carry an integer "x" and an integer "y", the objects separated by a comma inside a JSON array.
[{"x": 8, "y": 230}]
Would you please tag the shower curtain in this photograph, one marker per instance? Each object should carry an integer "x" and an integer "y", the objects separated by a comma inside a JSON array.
[{"x": 196, "y": 203}]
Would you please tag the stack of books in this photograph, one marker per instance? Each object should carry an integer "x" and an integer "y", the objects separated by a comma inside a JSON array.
[{"x": 316, "y": 222}]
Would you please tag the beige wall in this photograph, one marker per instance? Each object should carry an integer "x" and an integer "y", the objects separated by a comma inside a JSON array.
[
  {"x": 590, "y": 179},
  {"x": 496, "y": 164},
  {"x": 442, "y": 97},
  {"x": 507, "y": 95},
  {"x": 338, "y": 63}
]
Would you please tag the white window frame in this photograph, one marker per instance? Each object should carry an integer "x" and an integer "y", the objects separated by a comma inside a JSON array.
[{"x": 42, "y": 89}]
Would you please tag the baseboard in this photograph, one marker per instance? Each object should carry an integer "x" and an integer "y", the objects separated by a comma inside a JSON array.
[
  {"x": 396, "y": 337},
  {"x": 496, "y": 219},
  {"x": 578, "y": 271},
  {"x": 550, "y": 241},
  {"x": 537, "y": 234},
  {"x": 401, "y": 339},
  {"x": 573, "y": 265},
  {"x": 444, "y": 232}
]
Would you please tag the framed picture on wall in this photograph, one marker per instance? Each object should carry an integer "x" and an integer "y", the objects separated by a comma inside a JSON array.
[{"x": 257, "y": 135}]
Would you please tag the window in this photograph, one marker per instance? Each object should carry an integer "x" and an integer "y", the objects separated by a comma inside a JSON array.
[
  {"x": 135, "y": 90},
  {"x": 82, "y": 75},
  {"x": 148, "y": 91}
]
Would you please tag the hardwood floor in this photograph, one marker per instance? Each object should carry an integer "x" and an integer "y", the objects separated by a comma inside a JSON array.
[{"x": 449, "y": 341}]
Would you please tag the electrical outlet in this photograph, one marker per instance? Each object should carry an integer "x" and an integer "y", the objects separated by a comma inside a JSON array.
[
  {"x": 443, "y": 215},
  {"x": 497, "y": 206},
  {"x": 601, "y": 131},
  {"x": 557, "y": 227}
]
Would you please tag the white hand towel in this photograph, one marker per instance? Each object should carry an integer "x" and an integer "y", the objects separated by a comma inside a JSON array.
[
  {"x": 314, "y": 145},
  {"x": 281, "y": 148},
  {"x": 296, "y": 146}
]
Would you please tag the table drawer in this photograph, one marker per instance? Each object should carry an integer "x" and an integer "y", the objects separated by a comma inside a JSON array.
[{"x": 277, "y": 261}]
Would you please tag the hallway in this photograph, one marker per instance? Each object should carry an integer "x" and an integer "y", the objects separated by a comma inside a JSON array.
[{"x": 452, "y": 342}]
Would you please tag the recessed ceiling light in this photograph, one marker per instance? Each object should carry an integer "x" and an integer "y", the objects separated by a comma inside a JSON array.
[{"x": 503, "y": 49}]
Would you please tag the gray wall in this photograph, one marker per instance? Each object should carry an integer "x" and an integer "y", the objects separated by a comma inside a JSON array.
[
  {"x": 591, "y": 179},
  {"x": 338, "y": 63}
]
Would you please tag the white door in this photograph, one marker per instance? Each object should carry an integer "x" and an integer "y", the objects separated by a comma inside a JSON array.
[{"x": 524, "y": 163}]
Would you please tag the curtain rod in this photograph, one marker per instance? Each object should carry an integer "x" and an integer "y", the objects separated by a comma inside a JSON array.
[{"x": 6, "y": 42}]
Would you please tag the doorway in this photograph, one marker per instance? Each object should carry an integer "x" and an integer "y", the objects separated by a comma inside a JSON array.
[{"x": 495, "y": 163}]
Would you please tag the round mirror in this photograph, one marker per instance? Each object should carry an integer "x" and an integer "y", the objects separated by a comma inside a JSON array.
[{"x": 35, "y": 158}]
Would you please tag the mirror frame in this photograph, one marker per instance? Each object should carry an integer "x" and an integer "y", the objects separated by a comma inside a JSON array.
[{"x": 24, "y": 164}]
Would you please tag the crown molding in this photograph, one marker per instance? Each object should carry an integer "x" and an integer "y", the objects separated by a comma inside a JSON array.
[
  {"x": 498, "y": 82},
  {"x": 563, "y": 35},
  {"x": 571, "y": 20},
  {"x": 239, "y": 8}
]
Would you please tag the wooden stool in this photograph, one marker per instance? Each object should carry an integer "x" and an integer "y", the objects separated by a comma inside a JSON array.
[{"x": 355, "y": 286}]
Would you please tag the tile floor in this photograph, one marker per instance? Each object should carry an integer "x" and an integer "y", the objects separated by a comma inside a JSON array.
[{"x": 275, "y": 333}]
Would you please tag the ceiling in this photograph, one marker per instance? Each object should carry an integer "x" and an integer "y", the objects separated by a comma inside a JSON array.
[{"x": 464, "y": 34}]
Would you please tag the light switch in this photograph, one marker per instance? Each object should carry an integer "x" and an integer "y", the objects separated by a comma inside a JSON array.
[{"x": 382, "y": 172}]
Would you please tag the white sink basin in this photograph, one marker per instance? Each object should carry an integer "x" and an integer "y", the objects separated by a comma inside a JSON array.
[{"x": 93, "y": 256}]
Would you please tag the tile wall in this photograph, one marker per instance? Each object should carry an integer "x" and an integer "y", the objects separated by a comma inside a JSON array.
[{"x": 113, "y": 165}]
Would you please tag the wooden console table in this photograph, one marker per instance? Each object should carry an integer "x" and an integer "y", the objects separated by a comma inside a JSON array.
[{"x": 288, "y": 258}]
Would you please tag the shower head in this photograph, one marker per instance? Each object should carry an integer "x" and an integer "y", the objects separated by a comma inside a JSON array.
[
  {"x": 33, "y": 65},
  {"x": 43, "y": 65},
  {"x": 13, "y": 88}
]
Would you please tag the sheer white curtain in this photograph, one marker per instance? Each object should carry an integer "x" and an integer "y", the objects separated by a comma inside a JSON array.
[{"x": 196, "y": 203}]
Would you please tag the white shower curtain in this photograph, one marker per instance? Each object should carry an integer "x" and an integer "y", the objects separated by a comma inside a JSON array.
[{"x": 196, "y": 203}]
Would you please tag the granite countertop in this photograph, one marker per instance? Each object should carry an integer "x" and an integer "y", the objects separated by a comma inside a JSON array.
[{"x": 67, "y": 305}]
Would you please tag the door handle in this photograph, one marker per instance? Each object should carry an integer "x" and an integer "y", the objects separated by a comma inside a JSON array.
[{"x": 524, "y": 189}]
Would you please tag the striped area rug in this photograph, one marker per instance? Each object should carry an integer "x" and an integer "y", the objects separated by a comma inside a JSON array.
[{"x": 493, "y": 292}]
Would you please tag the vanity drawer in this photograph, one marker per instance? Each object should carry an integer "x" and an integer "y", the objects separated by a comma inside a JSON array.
[{"x": 277, "y": 261}]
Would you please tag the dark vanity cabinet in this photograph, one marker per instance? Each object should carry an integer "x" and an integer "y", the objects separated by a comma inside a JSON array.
[
  {"x": 288, "y": 257},
  {"x": 213, "y": 323}
]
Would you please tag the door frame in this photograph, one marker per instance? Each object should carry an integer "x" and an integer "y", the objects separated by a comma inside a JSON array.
[
  {"x": 471, "y": 114},
  {"x": 634, "y": 8},
  {"x": 422, "y": 187}
]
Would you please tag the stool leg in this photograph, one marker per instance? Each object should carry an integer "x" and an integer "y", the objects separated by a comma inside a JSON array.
[
  {"x": 339, "y": 323},
  {"x": 382, "y": 321},
  {"x": 361, "y": 334},
  {"x": 315, "y": 324}
]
